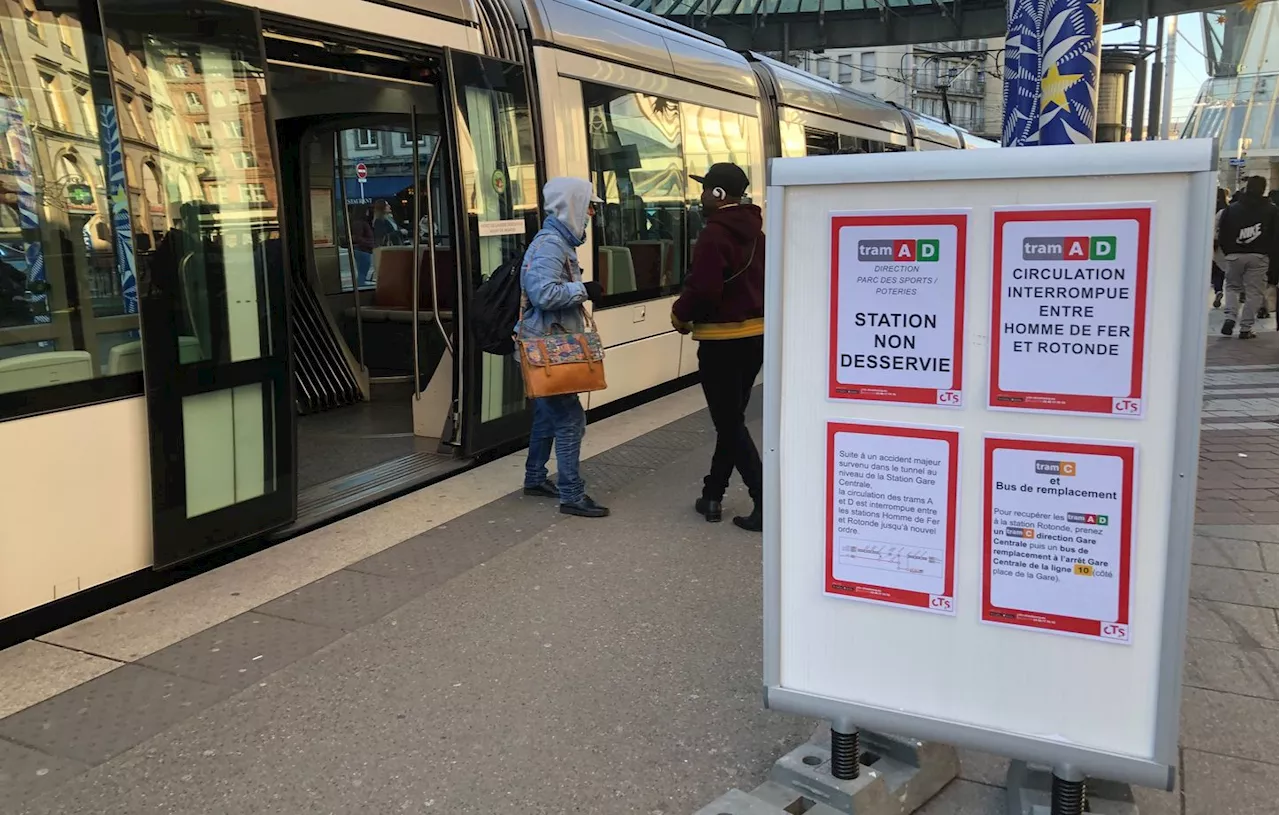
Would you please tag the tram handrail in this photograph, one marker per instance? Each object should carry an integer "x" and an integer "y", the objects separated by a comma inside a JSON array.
[
  {"x": 417, "y": 252},
  {"x": 351, "y": 247}
]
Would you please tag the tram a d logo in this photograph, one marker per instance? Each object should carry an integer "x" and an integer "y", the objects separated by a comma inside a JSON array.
[{"x": 922, "y": 250}]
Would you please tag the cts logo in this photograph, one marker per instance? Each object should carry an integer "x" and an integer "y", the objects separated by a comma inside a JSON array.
[
  {"x": 1115, "y": 631},
  {"x": 938, "y": 602},
  {"x": 1101, "y": 247},
  {"x": 1055, "y": 467},
  {"x": 904, "y": 251}
]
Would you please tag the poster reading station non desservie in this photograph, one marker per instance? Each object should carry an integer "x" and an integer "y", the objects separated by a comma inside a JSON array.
[
  {"x": 891, "y": 514},
  {"x": 1058, "y": 535},
  {"x": 897, "y": 307},
  {"x": 1069, "y": 309}
]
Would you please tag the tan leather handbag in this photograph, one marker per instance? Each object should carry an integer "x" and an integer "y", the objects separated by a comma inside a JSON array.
[{"x": 560, "y": 363}]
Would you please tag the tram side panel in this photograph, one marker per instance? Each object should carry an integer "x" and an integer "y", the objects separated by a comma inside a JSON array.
[
  {"x": 77, "y": 511},
  {"x": 587, "y": 103}
]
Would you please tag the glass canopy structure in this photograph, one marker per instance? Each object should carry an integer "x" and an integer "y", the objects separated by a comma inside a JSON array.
[{"x": 1237, "y": 106}]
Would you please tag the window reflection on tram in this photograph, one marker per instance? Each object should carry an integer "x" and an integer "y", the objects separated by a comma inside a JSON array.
[
  {"x": 201, "y": 187},
  {"x": 68, "y": 310}
]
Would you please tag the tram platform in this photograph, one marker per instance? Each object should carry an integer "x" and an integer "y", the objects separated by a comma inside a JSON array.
[{"x": 465, "y": 649}]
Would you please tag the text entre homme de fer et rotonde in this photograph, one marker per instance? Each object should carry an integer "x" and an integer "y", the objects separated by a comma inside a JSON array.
[{"x": 1060, "y": 319}]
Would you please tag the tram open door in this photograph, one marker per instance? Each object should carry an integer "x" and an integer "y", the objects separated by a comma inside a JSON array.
[{"x": 232, "y": 321}]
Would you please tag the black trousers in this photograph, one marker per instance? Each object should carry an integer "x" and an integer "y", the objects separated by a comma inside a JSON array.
[{"x": 728, "y": 369}]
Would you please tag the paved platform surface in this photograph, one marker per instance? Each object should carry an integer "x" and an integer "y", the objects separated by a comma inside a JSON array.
[{"x": 511, "y": 660}]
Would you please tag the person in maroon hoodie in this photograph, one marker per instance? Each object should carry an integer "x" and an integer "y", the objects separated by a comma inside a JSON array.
[{"x": 722, "y": 304}]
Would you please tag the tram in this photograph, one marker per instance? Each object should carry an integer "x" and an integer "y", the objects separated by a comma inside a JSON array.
[{"x": 239, "y": 244}]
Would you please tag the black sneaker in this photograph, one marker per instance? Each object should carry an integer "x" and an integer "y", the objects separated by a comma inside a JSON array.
[
  {"x": 584, "y": 508},
  {"x": 1246, "y": 334},
  {"x": 544, "y": 490},
  {"x": 752, "y": 523},
  {"x": 1228, "y": 326},
  {"x": 1217, "y": 299},
  {"x": 711, "y": 510}
]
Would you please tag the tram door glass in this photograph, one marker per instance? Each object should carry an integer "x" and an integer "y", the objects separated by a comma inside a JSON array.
[
  {"x": 211, "y": 271},
  {"x": 499, "y": 188}
]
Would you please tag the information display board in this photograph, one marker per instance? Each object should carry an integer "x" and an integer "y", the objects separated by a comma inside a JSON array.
[
  {"x": 891, "y": 522},
  {"x": 897, "y": 307},
  {"x": 1058, "y": 542},
  {"x": 1003, "y": 551},
  {"x": 1069, "y": 306}
]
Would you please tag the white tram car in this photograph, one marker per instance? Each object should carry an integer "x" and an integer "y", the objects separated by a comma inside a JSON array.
[{"x": 240, "y": 242}]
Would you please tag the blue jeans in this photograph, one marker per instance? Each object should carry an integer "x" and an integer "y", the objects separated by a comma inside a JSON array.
[
  {"x": 364, "y": 261},
  {"x": 559, "y": 420}
]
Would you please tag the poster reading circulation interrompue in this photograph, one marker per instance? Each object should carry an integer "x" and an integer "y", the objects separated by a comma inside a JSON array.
[
  {"x": 1058, "y": 536},
  {"x": 897, "y": 307},
  {"x": 1069, "y": 309}
]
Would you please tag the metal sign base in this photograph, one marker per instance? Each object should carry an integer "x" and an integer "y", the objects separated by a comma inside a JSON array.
[
  {"x": 897, "y": 777},
  {"x": 1029, "y": 791}
]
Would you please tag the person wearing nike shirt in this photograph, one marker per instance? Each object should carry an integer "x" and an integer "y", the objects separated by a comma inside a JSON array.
[
  {"x": 722, "y": 305},
  {"x": 1247, "y": 235}
]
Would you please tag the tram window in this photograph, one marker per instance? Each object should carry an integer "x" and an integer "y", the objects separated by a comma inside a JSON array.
[
  {"x": 68, "y": 307},
  {"x": 209, "y": 209},
  {"x": 712, "y": 135},
  {"x": 637, "y": 167},
  {"x": 820, "y": 143}
]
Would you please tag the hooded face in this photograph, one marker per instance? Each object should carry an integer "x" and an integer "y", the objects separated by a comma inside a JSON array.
[{"x": 569, "y": 200}]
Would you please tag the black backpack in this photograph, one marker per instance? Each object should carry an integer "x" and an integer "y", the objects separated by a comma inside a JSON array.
[{"x": 496, "y": 308}]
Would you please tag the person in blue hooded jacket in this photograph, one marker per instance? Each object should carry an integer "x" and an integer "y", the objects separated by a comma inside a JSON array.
[{"x": 552, "y": 282}]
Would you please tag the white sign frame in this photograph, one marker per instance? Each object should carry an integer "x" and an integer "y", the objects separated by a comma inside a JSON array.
[{"x": 841, "y": 660}]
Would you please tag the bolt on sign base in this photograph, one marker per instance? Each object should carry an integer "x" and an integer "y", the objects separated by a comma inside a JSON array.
[
  {"x": 898, "y": 775},
  {"x": 1029, "y": 791}
]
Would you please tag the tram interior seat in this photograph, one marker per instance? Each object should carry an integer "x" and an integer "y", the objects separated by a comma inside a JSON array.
[
  {"x": 617, "y": 272},
  {"x": 126, "y": 357},
  {"x": 652, "y": 262},
  {"x": 386, "y": 325},
  {"x": 45, "y": 368}
]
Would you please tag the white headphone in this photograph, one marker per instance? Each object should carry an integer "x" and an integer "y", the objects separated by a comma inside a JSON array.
[{"x": 718, "y": 193}]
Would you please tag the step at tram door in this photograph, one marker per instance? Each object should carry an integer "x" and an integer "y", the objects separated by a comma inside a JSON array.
[{"x": 279, "y": 295}]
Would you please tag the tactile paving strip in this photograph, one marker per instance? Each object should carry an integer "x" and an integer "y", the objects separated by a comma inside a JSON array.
[
  {"x": 638, "y": 457},
  {"x": 242, "y": 650},
  {"x": 675, "y": 439},
  {"x": 603, "y": 478},
  {"x": 26, "y": 773},
  {"x": 448, "y": 550},
  {"x": 110, "y": 714},
  {"x": 345, "y": 599}
]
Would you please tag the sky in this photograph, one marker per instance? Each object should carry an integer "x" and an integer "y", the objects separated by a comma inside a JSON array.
[{"x": 1190, "y": 72}]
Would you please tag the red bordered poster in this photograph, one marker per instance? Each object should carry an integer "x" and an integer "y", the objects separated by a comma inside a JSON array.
[
  {"x": 1058, "y": 536},
  {"x": 1069, "y": 309},
  {"x": 891, "y": 514},
  {"x": 897, "y": 307}
]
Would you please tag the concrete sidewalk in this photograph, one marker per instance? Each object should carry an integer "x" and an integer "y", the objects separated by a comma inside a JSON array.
[{"x": 513, "y": 660}]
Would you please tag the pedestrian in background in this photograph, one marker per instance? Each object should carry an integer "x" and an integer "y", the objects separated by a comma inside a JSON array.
[
  {"x": 1217, "y": 274},
  {"x": 1246, "y": 233},
  {"x": 722, "y": 304}
]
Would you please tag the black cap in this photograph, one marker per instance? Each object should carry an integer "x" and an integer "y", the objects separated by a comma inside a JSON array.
[{"x": 728, "y": 177}]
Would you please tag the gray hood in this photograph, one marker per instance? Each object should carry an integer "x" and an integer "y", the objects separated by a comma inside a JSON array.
[{"x": 567, "y": 200}]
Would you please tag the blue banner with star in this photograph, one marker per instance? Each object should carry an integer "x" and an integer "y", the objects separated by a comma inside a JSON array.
[
  {"x": 1052, "y": 57},
  {"x": 1022, "y": 74},
  {"x": 1070, "y": 51}
]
